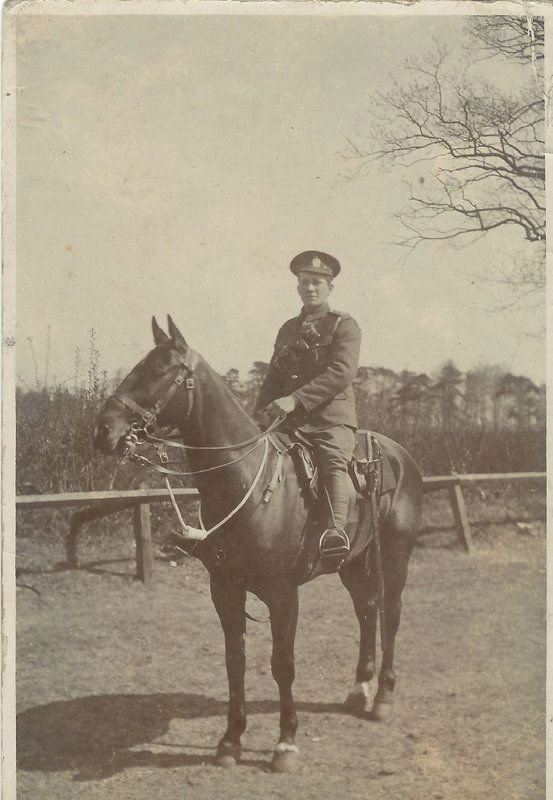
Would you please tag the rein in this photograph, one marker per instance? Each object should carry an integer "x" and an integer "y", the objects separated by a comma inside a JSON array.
[
  {"x": 155, "y": 440},
  {"x": 248, "y": 493},
  {"x": 166, "y": 471},
  {"x": 185, "y": 375},
  {"x": 187, "y": 528}
]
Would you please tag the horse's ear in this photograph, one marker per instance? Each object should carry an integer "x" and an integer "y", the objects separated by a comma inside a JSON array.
[
  {"x": 159, "y": 335},
  {"x": 176, "y": 335}
]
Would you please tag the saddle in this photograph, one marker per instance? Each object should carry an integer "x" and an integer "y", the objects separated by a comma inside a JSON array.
[
  {"x": 369, "y": 469},
  {"x": 371, "y": 476}
]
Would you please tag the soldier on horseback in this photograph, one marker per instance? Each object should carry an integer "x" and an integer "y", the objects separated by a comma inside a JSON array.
[
  {"x": 267, "y": 548},
  {"x": 309, "y": 377}
]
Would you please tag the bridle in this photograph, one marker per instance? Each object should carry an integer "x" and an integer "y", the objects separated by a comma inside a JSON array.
[
  {"x": 184, "y": 377},
  {"x": 141, "y": 433},
  {"x": 144, "y": 433}
]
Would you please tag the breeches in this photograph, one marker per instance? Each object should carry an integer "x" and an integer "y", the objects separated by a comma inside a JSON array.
[{"x": 333, "y": 449}]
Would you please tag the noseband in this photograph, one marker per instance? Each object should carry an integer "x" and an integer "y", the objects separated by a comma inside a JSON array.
[{"x": 184, "y": 376}]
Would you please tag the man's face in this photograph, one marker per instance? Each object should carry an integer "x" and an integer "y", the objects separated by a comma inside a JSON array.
[{"x": 313, "y": 289}]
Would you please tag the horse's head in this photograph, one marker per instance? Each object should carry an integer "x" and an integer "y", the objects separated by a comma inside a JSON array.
[{"x": 152, "y": 392}]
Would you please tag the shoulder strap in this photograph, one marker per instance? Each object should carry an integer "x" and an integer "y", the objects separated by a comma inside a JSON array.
[
  {"x": 342, "y": 317},
  {"x": 339, "y": 315}
]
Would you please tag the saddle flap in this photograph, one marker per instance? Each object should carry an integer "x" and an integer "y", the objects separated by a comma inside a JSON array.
[
  {"x": 305, "y": 468},
  {"x": 302, "y": 456}
]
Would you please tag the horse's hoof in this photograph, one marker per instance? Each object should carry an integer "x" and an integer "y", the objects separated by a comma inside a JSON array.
[
  {"x": 226, "y": 761},
  {"x": 286, "y": 758},
  {"x": 381, "y": 711},
  {"x": 357, "y": 703},
  {"x": 228, "y": 755}
]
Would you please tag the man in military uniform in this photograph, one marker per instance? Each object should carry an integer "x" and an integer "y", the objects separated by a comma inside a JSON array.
[{"x": 309, "y": 377}]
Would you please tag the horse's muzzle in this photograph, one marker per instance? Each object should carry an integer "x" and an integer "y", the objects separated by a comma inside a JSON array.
[{"x": 109, "y": 435}]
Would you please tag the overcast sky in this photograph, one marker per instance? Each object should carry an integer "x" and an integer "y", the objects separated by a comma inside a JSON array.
[{"x": 177, "y": 164}]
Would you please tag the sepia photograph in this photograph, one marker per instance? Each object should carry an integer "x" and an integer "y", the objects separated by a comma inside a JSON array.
[{"x": 274, "y": 399}]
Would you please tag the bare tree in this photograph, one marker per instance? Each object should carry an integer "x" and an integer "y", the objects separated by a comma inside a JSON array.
[
  {"x": 474, "y": 154},
  {"x": 516, "y": 38}
]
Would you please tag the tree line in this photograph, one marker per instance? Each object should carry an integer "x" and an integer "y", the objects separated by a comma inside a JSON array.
[
  {"x": 486, "y": 397},
  {"x": 483, "y": 420}
]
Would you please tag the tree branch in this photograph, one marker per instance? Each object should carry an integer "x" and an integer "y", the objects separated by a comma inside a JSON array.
[{"x": 488, "y": 146}]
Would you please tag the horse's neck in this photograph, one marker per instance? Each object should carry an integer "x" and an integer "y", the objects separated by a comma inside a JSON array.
[{"x": 218, "y": 419}]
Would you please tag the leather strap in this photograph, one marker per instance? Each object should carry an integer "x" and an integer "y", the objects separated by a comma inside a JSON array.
[
  {"x": 277, "y": 472},
  {"x": 187, "y": 363}
]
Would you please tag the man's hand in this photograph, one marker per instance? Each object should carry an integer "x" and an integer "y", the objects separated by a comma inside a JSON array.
[{"x": 285, "y": 404}]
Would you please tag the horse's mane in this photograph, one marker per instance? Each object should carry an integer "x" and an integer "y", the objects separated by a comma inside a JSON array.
[{"x": 229, "y": 393}]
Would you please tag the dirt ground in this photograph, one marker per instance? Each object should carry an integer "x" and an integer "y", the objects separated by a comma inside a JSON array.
[{"x": 122, "y": 688}]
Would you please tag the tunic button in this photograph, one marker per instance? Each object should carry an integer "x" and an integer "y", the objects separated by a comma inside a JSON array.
[{"x": 295, "y": 377}]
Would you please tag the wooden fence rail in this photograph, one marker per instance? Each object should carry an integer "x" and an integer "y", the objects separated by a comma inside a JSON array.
[
  {"x": 95, "y": 499},
  {"x": 99, "y": 504},
  {"x": 453, "y": 484}
]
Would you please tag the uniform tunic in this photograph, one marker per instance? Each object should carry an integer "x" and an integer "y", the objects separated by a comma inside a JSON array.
[{"x": 315, "y": 359}]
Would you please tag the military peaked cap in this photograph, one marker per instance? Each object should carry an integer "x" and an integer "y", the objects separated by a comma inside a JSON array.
[{"x": 317, "y": 262}]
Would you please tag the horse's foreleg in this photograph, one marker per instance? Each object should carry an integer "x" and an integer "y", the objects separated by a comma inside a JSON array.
[
  {"x": 283, "y": 609},
  {"x": 230, "y": 601},
  {"x": 395, "y": 559},
  {"x": 357, "y": 582}
]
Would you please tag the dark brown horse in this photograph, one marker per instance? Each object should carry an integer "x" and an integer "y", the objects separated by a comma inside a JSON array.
[{"x": 261, "y": 548}]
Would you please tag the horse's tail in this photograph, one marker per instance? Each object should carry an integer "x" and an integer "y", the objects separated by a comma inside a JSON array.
[{"x": 404, "y": 508}]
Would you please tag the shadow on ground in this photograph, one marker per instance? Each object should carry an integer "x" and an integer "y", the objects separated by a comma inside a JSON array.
[
  {"x": 93, "y": 735},
  {"x": 103, "y": 566}
]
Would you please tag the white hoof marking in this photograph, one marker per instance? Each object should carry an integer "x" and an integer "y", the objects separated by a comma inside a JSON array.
[
  {"x": 284, "y": 747},
  {"x": 361, "y": 688}
]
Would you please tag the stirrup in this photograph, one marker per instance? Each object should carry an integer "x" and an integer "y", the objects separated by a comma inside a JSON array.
[{"x": 333, "y": 548}]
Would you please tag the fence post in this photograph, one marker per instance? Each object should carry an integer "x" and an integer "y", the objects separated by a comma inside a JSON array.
[
  {"x": 460, "y": 514},
  {"x": 71, "y": 542},
  {"x": 143, "y": 538}
]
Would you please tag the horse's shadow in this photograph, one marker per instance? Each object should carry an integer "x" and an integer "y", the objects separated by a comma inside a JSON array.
[
  {"x": 104, "y": 566},
  {"x": 94, "y": 736}
]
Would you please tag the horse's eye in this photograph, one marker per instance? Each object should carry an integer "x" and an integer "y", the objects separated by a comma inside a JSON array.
[{"x": 150, "y": 372}]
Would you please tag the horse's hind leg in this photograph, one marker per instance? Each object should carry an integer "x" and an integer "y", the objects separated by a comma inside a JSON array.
[
  {"x": 282, "y": 602},
  {"x": 396, "y": 551},
  {"x": 230, "y": 601},
  {"x": 360, "y": 586}
]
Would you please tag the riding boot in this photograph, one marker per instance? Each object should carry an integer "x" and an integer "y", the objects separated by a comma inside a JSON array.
[{"x": 334, "y": 543}]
